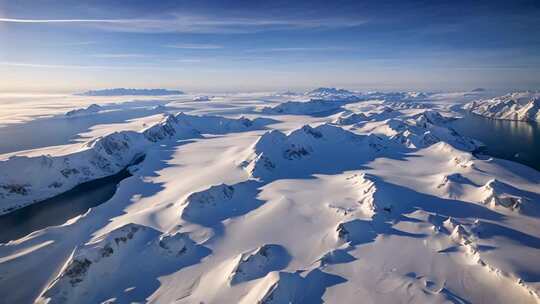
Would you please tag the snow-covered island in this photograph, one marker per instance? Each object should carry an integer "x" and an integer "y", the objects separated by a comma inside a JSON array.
[
  {"x": 131, "y": 92},
  {"x": 332, "y": 196},
  {"x": 202, "y": 98},
  {"x": 523, "y": 106},
  {"x": 91, "y": 109}
]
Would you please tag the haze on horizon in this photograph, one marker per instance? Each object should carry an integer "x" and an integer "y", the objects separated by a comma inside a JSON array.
[{"x": 252, "y": 45}]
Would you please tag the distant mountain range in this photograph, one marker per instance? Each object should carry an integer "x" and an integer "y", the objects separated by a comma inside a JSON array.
[
  {"x": 329, "y": 91},
  {"x": 136, "y": 92}
]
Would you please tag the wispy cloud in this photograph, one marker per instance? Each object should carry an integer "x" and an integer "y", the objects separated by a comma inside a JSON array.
[
  {"x": 188, "y": 60},
  {"x": 39, "y": 65},
  {"x": 192, "y": 46},
  {"x": 197, "y": 24},
  {"x": 119, "y": 56},
  {"x": 301, "y": 49},
  {"x": 84, "y": 67},
  {"x": 79, "y": 43},
  {"x": 18, "y": 20}
]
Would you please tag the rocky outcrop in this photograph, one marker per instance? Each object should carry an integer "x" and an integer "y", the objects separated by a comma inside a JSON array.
[
  {"x": 498, "y": 194},
  {"x": 257, "y": 263}
]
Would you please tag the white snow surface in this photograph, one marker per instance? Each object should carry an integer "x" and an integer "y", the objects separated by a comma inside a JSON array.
[{"x": 324, "y": 201}]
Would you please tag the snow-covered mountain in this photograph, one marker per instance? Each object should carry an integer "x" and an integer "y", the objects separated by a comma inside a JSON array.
[
  {"x": 397, "y": 96},
  {"x": 342, "y": 94},
  {"x": 276, "y": 153},
  {"x": 329, "y": 92},
  {"x": 109, "y": 255},
  {"x": 524, "y": 106},
  {"x": 30, "y": 179},
  {"x": 303, "y": 107},
  {"x": 427, "y": 128},
  {"x": 324, "y": 100}
]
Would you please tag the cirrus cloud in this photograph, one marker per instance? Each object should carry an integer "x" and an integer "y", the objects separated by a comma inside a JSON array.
[{"x": 183, "y": 23}]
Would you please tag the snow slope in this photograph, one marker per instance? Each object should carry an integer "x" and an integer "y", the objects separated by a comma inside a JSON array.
[
  {"x": 372, "y": 201},
  {"x": 30, "y": 179}
]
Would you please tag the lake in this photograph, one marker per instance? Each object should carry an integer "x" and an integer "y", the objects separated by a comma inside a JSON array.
[{"x": 512, "y": 140}]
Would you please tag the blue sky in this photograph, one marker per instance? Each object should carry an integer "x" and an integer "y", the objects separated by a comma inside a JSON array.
[{"x": 269, "y": 45}]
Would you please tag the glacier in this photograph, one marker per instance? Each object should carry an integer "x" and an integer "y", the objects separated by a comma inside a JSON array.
[{"x": 328, "y": 196}]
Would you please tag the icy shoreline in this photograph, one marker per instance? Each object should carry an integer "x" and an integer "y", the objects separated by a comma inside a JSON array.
[
  {"x": 29, "y": 180},
  {"x": 520, "y": 106}
]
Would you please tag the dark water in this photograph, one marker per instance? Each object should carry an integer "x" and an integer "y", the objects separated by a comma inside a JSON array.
[
  {"x": 57, "y": 210},
  {"x": 60, "y": 130},
  {"x": 513, "y": 140}
]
